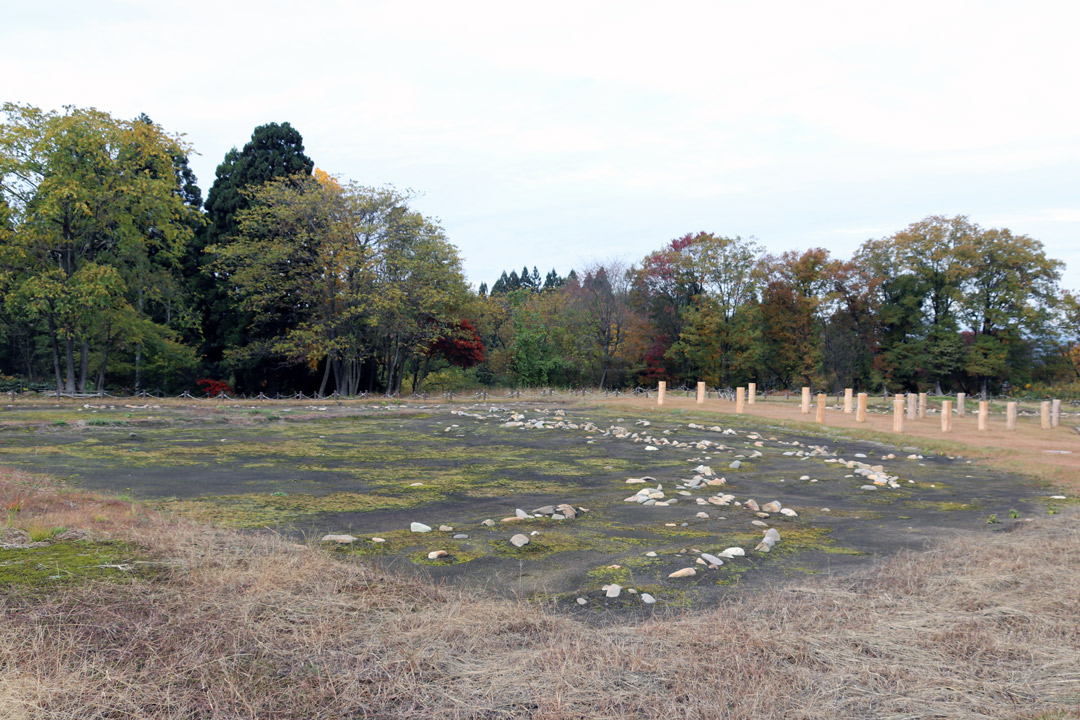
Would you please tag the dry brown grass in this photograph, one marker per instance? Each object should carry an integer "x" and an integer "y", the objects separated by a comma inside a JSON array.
[{"x": 259, "y": 627}]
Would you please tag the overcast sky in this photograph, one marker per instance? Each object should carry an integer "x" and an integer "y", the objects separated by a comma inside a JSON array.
[{"x": 558, "y": 133}]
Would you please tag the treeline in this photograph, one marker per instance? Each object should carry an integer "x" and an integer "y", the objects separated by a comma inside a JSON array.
[
  {"x": 115, "y": 274},
  {"x": 943, "y": 305}
]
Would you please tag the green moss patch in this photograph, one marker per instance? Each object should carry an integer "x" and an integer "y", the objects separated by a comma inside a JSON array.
[
  {"x": 943, "y": 506},
  {"x": 254, "y": 510},
  {"x": 544, "y": 545},
  {"x": 68, "y": 563}
]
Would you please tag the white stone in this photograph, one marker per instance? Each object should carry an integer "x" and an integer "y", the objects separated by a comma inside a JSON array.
[
  {"x": 344, "y": 539},
  {"x": 436, "y": 554},
  {"x": 712, "y": 559},
  {"x": 771, "y": 507},
  {"x": 419, "y": 527},
  {"x": 650, "y": 554},
  {"x": 685, "y": 572},
  {"x": 703, "y": 515},
  {"x": 445, "y": 528},
  {"x": 613, "y": 591},
  {"x": 647, "y": 598},
  {"x": 489, "y": 522},
  {"x": 789, "y": 512},
  {"x": 519, "y": 540},
  {"x": 461, "y": 536},
  {"x": 582, "y": 601},
  {"x": 521, "y": 514},
  {"x": 378, "y": 540},
  {"x": 733, "y": 552}
]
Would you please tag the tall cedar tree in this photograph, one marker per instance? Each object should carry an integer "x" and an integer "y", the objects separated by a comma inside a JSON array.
[{"x": 274, "y": 151}]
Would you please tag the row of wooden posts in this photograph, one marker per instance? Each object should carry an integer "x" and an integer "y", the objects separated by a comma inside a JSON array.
[{"x": 911, "y": 405}]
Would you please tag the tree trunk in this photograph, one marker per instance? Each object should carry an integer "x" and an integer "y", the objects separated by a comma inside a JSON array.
[
  {"x": 101, "y": 372},
  {"x": 138, "y": 367},
  {"x": 69, "y": 359},
  {"x": 325, "y": 377},
  {"x": 415, "y": 373},
  {"x": 423, "y": 373},
  {"x": 391, "y": 362},
  {"x": 55, "y": 344},
  {"x": 84, "y": 365}
]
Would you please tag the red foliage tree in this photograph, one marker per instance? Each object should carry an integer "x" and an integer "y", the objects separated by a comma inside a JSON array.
[
  {"x": 214, "y": 387},
  {"x": 462, "y": 346}
]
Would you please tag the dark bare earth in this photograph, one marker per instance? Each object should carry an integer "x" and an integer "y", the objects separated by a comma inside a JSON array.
[{"x": 371, "y": 470}]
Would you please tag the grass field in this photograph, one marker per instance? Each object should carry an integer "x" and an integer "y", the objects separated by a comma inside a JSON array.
[{"x": 110, "y": 608}]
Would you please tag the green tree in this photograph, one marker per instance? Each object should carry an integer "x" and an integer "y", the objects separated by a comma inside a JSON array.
[
  {"x": 96, "y": 223},
  {"x": 600, "y": 303},
  {"x": 338, "y": 276},
  {"x": 420, "y": 288},
  {"x": 274, "y": 151},
  {"x": 1010, "y": 295},
  {"x": 795, "y": 305},
  {"x": 701, "y": 286}
]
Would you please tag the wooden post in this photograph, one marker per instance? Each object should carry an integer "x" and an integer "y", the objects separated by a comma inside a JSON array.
[
  {"x": 1010, "y": 416},
  {"x": 946, "y": 416},
  {"x": 806, "y": 401},
  {"x": 1044, "y": 412},
  {"x": 700, "y": 393},
  {"x": 848, "y": 396},
  {"x": 960, "y": 399},
  {"x": 751, "y": 393},
  {"x": 922, "y": 405},
  {"x": 912, "y": 399},
  {"x": 984, "y": 414},
  {"x": 740, "y": 397},
  {"x": 860, "y": 415},
  {"x": 822, "y": 399},
  {"x": 898, "y": 414},
  {"x": 661, "y": 391},
  {"x": 1055, "y": 413}
]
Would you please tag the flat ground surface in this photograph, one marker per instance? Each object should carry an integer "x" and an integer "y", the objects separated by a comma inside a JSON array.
[{"x": 371, "y": 470}]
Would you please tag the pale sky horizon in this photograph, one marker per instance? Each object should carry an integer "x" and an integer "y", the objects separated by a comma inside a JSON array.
[{"x": 560, "y": 134}]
